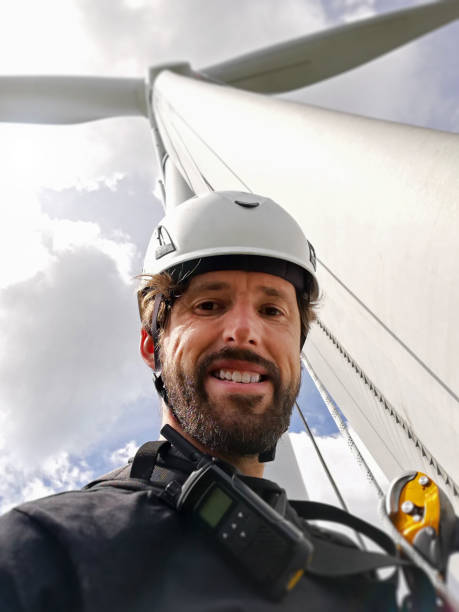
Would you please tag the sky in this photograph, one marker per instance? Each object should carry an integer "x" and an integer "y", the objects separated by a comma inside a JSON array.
[{"x": 79, "y": 204}]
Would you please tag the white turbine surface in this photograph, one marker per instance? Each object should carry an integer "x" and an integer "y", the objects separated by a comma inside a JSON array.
[
  {"x": 65, "y": 99},
  {"x": 380, "y": 202},
  {"x": 316, "y": 57}
]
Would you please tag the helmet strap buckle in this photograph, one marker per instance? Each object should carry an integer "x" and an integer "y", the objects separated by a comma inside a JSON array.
[{"x": 267, "y": 455}]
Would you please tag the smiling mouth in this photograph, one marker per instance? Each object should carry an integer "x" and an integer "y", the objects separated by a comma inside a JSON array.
[{"x": 238, "y": 376}]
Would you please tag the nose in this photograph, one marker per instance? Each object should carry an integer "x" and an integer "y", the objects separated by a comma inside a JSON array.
[{"x": 242, "y": 326}]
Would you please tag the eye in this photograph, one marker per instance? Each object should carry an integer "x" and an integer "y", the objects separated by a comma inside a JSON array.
[
  {"x": 208, "y": 306},
  {"x": 271, "y": 311}
]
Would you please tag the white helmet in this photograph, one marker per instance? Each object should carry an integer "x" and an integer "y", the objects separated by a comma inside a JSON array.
[{"x": 230, "y": 230}]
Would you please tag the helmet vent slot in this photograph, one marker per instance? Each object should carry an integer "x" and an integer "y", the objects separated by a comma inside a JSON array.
[{"x": 247, "y": 204}]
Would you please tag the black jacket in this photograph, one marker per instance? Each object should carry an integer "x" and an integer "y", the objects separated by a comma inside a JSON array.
[{"x": 116, "y": 546}]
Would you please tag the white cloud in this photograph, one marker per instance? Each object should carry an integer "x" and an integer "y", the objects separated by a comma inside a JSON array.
[
  {"x": 69, "y": 333},
  {"x": 121, "y": 455},
  {"x": 68, "y": 317},
  {"x": 35, "y": 489},
  {"x": 23, "y": 251},
  {"x": 58, "y": 473},
  {"x": 72, "y": 236},
  {"x": 59, "y": 157},
  {"x": 43, "y": 37},
  {"x": 32, "y": 240}
]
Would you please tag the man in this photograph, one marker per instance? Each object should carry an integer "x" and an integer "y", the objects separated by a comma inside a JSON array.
[
  {"x": 226, "y": 301},
  {"x": 229, "y": 353}
]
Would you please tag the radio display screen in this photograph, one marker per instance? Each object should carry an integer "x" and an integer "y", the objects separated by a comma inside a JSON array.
[{"x": 214, "y": 506}]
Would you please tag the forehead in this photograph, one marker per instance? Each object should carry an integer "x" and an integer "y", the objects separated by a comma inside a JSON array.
[{"x": 237, "y": 280}]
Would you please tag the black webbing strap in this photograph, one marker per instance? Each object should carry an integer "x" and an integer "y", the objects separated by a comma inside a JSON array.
[
  {"x": 331, "y": 560},
  {"x": 145, "y": 459},
  {"x": 155, "y": 330},
  {"x": 324, "y": 512}
]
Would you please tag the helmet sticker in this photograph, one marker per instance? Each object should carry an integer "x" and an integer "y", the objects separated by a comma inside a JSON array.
[{"x": 165, "y": 244}]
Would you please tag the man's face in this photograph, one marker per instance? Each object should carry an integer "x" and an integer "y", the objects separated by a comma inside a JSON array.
[{"x": 230, "y": 358}]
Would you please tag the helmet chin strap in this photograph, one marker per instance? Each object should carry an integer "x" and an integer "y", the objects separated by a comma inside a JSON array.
[
  {"x": 154, "y": 331},
  {"x": 157, "y": 378},
  {"x": 160, "y": 388}
]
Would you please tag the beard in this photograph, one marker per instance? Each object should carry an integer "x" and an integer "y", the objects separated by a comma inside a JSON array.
[{"x": 229, "y": 426}]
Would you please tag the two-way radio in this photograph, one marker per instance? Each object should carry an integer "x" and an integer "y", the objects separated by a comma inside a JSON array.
[{"x": 253, "y": 535}]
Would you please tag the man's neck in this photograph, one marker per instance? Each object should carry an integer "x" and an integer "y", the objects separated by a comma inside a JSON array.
[{"x": 246, "y": 464}]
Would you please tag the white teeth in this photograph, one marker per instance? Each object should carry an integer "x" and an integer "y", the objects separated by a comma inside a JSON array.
[{"x": 237, "y": 376}]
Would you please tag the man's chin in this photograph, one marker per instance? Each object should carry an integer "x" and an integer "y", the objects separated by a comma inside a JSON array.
[{"x": 228, "y": 417}]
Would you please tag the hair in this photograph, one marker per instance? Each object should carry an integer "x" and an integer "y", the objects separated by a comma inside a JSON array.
[{"x": 171, "y": 290}]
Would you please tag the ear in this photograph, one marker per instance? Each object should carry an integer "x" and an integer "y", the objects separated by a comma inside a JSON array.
[{"x": 147, "y": 348}]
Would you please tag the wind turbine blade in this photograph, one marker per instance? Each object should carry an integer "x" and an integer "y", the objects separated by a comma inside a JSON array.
[
  {"x": 68, "y": 99},
  {"x": 380, "y": 203},
  {"x": 316, "y": 57}
]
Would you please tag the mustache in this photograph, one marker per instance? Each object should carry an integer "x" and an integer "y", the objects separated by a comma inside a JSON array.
[{"x": 242, "y": 355}]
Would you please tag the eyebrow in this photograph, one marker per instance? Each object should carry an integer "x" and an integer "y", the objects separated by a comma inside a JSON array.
[
  {"x": 272, "y": 292},
  {"x": 219, "y": 285},
  {"x": 210, "y": 286}
]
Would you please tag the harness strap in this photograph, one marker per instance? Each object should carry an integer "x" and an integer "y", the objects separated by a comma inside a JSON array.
[
  {"x": 145, "y": 459},
  {"x": 332, "y": 560},
  {"x": 310, "y": 510}
]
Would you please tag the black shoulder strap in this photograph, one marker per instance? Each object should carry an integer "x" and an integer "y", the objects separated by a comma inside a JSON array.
[
  {"x": 318, "y": 511},
  {"x": 332, "y": 559},
  {"x": 145, "y": 459}
]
